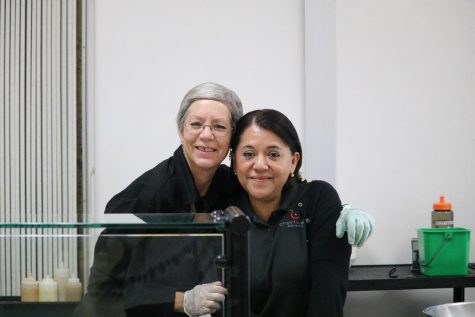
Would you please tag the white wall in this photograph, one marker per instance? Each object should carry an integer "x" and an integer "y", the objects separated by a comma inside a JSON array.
[
  {"x": 320, "y": 90},
  {"x": 405, "y": 115},
  {"x": 384, "y": 102},
  {"x": 149, "y": 53}
]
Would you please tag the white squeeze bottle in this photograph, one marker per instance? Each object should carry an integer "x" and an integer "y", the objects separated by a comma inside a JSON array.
[
  {"x": 48, "y": 290},
  {"x": 73, "y": 289},
  {"x": 61, "y": 275},
  {"x": 29, "y": 289}
]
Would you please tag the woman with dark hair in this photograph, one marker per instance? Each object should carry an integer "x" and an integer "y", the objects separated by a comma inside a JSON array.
[{"x": 298, "y": 265}]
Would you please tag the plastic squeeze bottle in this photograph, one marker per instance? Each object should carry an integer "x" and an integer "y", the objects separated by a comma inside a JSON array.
[
  {"x": 73, "y": 289},
  {"x": 442, "y": 215},
  {"x": 48, "y": 290},
  {"x": 61, "y": 275},
  {"x": 29, "y": 289}
]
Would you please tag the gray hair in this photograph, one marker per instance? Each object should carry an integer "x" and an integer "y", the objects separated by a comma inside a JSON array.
[{"x": 210, "y": 91}]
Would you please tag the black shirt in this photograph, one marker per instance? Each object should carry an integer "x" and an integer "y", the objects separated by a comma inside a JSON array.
[
  {"x": 140, "y": 276},
  {"x": 291, "y": 276},
  {"x": 170, "y": 187}
]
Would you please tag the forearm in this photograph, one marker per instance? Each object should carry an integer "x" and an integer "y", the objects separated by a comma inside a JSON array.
[
  {"x": 107, "y": 274},
  {"x": 329, "y": 270}
]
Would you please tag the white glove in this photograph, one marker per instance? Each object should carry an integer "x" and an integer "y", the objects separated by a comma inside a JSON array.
[
  {"x": 204, "y": 299},
  {"x": 357, "y": 223}
]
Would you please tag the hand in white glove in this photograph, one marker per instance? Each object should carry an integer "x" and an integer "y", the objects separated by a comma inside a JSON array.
[
  {"x": 357, "y": 223},
  {"x": 204, "y": 299}
]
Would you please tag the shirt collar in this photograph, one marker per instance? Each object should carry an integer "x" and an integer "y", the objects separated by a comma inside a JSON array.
[{"x": 289, "y": 196}]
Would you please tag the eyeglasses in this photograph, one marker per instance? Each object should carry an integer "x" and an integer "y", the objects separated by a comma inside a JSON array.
[{"x": 197, "y": 127}]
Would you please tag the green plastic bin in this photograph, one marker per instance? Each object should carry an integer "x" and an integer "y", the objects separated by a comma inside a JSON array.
[{"x": 443, "y": 251}]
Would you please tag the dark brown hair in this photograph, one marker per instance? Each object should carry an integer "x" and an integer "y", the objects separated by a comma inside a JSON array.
[{"x": 277, "y": 123}]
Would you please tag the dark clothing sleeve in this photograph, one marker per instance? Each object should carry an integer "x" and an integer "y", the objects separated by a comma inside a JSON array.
[
  {"x": 104, "y": 296},
  {"x": 329, "y": 257},
  {"x": 112, "y": 254}
]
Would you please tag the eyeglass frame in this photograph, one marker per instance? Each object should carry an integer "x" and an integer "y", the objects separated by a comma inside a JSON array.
[{"x": 214, "y": 128}]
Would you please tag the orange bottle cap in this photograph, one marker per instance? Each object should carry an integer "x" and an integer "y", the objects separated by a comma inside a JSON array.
[{"x": 442, "y": 204}]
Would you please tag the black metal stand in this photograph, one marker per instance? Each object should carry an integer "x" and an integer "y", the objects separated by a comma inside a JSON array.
[{"x": 236, "y": 262}]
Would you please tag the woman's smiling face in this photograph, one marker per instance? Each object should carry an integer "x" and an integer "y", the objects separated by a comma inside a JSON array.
[
  {"x": 206, "y": 134},
  {"x": 263, "y": 163}
]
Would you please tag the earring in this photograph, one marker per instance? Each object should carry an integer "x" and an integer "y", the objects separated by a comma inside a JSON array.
[
  {"x": 292, "y": 174},
  {"x": 235, "y": 173}
]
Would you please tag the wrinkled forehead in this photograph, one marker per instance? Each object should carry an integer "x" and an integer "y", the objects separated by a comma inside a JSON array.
[{"x": 208, "y": 109}]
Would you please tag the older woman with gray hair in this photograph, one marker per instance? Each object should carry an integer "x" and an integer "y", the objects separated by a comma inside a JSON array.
[{"x": 192, "y": 180}]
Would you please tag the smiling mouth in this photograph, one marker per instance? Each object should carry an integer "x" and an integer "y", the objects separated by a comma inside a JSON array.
[
  {"x": 205, "y": 149},
  {"x": 260, "y": 178}
]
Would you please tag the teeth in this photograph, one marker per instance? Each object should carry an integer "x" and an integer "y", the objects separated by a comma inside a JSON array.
[{"x": 205, "y": 149}]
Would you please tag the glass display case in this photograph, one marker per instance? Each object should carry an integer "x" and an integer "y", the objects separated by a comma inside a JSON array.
[{"x": 123, "y": 261}]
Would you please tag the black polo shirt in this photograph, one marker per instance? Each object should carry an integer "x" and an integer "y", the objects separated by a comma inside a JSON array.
[{"x": 291, "y": 276}]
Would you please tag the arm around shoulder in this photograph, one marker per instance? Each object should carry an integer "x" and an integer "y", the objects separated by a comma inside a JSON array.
[{"x": 329, "y": 256}]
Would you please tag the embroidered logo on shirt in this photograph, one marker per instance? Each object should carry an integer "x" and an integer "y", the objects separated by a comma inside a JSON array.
[
  {"x": 295, "y": 220},
  {"x": 295, "y": 215}
]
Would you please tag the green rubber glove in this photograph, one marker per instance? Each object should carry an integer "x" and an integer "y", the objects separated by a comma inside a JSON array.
[{"x": 357, "y": 223}]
